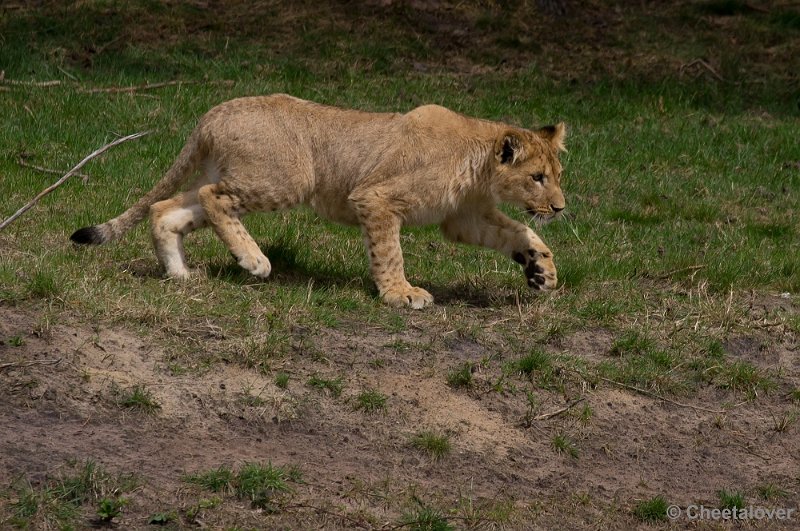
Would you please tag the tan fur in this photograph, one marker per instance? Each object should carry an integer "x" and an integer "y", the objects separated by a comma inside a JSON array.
[{"x": 379, "y": 171}]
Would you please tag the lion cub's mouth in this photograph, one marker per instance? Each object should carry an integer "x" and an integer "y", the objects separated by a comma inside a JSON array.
[{"x": 544, "y": 216}]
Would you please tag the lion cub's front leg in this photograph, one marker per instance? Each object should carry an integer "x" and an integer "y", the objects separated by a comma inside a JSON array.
[
  {"x": 493, "y": 229},
  {"x": 382, "y": 238}
]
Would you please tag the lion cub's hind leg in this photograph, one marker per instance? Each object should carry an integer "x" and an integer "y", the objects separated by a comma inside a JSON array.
[
  {"x": 223, "y": 210},
  {"x": 170, "y": 221}
]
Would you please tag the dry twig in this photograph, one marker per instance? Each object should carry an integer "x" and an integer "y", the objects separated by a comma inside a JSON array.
[
  {"x": 69, "y": 174},
  {"x": 20, "y": 364},
  {"x": 659, "y": 397},
  {"x": 680, "y": 270},
  {"x": 48, "y": 170},
  {"x": 705, "y": 65},
  {"x": 150, "y": 86},
  {"x": 559, "y": 411}
]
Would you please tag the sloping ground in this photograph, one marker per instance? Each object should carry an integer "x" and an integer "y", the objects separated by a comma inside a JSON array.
[{"x": 59, "y": 403}]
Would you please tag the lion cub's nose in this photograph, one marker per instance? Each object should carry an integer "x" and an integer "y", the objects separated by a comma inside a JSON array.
[{"x": 556, "y": 209}]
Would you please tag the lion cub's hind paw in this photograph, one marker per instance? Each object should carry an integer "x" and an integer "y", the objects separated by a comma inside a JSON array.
[{"x": 416, "y": 298}]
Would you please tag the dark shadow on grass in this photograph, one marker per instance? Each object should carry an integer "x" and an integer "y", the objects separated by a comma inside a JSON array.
[{"x": 289, "y": 269}]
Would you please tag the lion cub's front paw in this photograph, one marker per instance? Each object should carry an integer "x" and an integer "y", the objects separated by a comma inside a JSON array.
[
  {"x": 539, "y": 268},
  {"x": 407, "y": 296}
]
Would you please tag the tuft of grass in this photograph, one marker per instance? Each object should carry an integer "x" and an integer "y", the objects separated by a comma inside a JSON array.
[
  {"x": 282, "y": 380},
  {"x": 731, "y": 499},
  {"x": 436, "y": 445},
  {"x": 782, "y": 423},
  {"x": 631, "y": 342},
  {"x": 585, "y": 414},
  {"x": 742, "y": 376},
  {"x": 216, "y": 480},
  {"x": 563, "y": 444},
  {"x": 334, "y": 386},
  {"x": 257, "y": 482},
  {"x": 57, "y": 503},
  {"x": 771, "y": 491},
  {"x": 462, "y": 376},
  {"x": 43, "y": 285},
  {"x": 425, "y": 518},
  {"x": 794, "y": 395},
  {"x": 371, "y": 400},
  {"x": 651, "y": 510},
  {"x": 138, "y": 398},
  {"x": 535, "y": 361}
]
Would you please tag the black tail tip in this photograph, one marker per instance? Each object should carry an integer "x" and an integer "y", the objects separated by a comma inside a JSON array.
[{"x": 87, "y": 235}]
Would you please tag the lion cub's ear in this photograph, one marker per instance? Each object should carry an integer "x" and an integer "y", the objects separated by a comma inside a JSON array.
[
  {"x": 555, "y": 134},
  {"x": 508, "y": 148}
]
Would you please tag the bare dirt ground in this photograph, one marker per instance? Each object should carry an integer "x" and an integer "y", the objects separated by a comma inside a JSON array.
[
  {"x": 57, "y": 403},
  {"x": 62, "y": 375}
]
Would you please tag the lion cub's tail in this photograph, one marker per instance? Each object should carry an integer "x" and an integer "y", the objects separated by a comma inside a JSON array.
[{"x": 184, "y": 166}]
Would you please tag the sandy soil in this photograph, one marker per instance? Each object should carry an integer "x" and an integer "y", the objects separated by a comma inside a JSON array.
[{"x": 58, "y": 403}]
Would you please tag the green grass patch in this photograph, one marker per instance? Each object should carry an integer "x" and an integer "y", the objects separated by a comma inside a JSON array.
[
  {"x": 730, "y": 499},
  {"x": 744, "y": 377},
  {"x": 461, "y": 377},
  {"x": 58, "y": 502},
  {"x": 436, "y": 445},
  {"x": 138, "y": 398},
  {"x": 371, "y": 400},
  {"x": 259, "y": 483},
  {"x": 771, "y": 491},
  {"x": 282, "y": 380},
  {"x": 425, "y": 518},
  {"x": 333, "y": 386},
  {"x": 563, "y": 444},
  {"x": 651, "y": 510},
  {"x": 216, "y": 480}
]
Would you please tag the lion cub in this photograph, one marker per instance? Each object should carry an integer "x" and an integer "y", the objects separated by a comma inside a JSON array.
[{"x": 377, "y": 170}]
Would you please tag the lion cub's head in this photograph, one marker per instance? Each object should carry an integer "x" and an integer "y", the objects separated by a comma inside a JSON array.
[{"x": 528, "y": 172}]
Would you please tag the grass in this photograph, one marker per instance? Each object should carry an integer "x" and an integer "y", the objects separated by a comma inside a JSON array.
[
  {"x": 651, "y": 510},
  {"x": 260, "y": 483},
  {"x": 371, "y": 400},
  {"x": 424, "y": 518},
  {"x": 682, "y": 193},
  {"x": 436, "y": 445},
  {"x": 461, "y": 376},
  {"x": 57, "y": 502},
  {"x": 282, "y": 380},
  {"x": 563, "y": 444},
  {"x": 333, "y": 386},
  {"x": 771, "y": 491},
  {"x": 731, "y": 499},
  {"x": 138, "y": 398}
]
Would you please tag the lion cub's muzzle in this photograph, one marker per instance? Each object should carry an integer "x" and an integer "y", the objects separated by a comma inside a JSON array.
[{"x": 545, "y": 215}]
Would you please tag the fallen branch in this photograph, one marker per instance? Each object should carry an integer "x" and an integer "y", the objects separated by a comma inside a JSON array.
[
  {"x": 19, "y": 364},
  {"x": 69, "y": 174},
  {"x": 150, "y": 86},
  {"x": 320, "y": 510},
  {"x": 705, "y": 65},
  {"x": 15, "y": 82},
  {"x": 559, "y": 411},
  {"x": 48, "y": 170},
  {"x": 680, "y": 270},
  {"x": 659, "y": 397}
]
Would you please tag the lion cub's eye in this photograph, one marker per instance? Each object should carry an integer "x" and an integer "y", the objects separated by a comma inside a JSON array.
[{"x": 538, "y": 177}]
